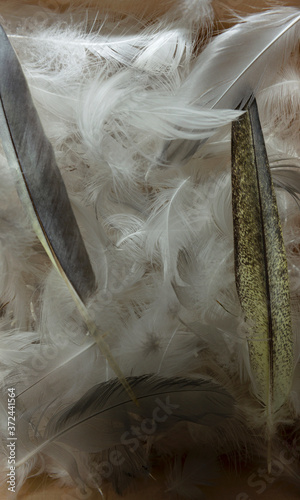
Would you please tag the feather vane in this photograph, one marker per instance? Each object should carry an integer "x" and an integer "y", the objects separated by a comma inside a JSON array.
[
  {"x": 108, "y": 408},
  {"x": 260, "y": 264}
]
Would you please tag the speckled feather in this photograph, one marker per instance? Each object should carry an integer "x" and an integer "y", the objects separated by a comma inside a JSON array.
[{"x": 261, "y": 264}]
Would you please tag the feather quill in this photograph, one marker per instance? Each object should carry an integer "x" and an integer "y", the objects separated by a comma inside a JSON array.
[
  {"x": 261, "y": 266},
  {"x": 42, "y": 190},
  {"x": 235, "y": 65}
]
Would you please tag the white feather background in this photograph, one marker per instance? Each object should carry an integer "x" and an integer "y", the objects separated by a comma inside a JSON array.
[{"x": 138, "y": 114}]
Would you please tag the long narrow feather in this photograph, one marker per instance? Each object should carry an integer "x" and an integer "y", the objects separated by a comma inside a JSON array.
[
  {"x": 237, "y": 64},
  {"x": 39, "y": 181},
  {"x": 261, "y": 266},
  {"x": 42, "y": 190}
]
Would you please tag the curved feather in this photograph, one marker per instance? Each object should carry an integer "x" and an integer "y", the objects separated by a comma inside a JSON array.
[
  {"x": 236, "y": 65},
  {"x": 126, "y": 48},
  {"x": 287, "y": 177},
  {"x": 100, "y": 418}
]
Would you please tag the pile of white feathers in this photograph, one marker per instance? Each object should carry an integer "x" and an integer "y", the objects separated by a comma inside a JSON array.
[{"x": 139, "y": 115}]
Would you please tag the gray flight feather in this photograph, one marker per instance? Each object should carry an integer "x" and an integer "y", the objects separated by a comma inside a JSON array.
[
  {"x": 42, "y": 191},
  {"x": 39, "y": 182}
]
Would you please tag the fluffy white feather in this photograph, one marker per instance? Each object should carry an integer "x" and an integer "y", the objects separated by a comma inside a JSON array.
[
  {"x": 112, "y": 93},
  {"x": 236, "y": 65}
]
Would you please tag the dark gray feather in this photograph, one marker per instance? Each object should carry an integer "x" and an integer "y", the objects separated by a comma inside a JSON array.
[
  {"x": 100, "y": 418},
  {"x": 39, "y": 182}
]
